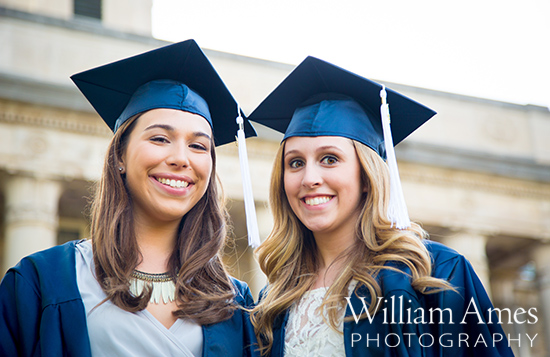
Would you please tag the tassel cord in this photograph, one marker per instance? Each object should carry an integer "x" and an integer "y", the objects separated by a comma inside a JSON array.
[
  {"x": 250, "y": 210},
  {"x": 397, "y": 209}
]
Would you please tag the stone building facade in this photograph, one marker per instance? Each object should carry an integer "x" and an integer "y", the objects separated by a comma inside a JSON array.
[{"x": 477, "y": 176}]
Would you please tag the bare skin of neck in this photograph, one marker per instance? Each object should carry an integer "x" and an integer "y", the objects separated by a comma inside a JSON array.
[
  {"x": 156, "y": 244},
  {"x": 330, "y": 247}
]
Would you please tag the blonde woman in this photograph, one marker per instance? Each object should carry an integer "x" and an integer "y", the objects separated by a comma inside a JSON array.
[
  {"x": 150, "y": 281},
  {"x": 348, "y": 274}
]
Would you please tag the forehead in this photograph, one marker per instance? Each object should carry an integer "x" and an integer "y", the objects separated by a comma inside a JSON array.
[
  {"x": 315, "y": 143},
  {"x": 178, "y": 120}
]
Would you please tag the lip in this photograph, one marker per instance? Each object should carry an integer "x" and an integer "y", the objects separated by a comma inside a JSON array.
[{"x": 177, "y": 191}]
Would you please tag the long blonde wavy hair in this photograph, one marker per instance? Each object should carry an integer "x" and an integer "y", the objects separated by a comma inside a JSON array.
[{"x": 289, "y": 258}]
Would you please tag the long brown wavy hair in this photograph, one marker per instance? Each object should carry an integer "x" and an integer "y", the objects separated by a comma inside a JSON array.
[
  {"x": 289, "y": 257},
  {"x": 204, "y": 292}
]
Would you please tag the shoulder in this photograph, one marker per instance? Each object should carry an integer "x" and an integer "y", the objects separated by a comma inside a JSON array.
[
  {"x": 394, "y": 280},
  {"x": 243, "y": 296},
  {"x": 241, "y": 286},
  {"x": 398, "y": 275},
  {"x": 48, "y": 260},
  {"x": 440, "y": 253},
  {"x": 51, "y": 271},
  {"x": 450, "y": 265}
]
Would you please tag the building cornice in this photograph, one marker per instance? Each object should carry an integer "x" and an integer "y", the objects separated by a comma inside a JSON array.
[
  {"x": 463, "y": 97},
  {"x": 80, "y": 24},
  {"x": 472, "y": 181},
  {"x": 30, "y": 90},
  {"x": 91, "y": 26},
  {"x": 52, "y": 118},
  {"x": 474, "y": 161}
]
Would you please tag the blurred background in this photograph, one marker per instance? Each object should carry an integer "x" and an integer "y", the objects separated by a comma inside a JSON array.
[{"x": 476, "y": 176}]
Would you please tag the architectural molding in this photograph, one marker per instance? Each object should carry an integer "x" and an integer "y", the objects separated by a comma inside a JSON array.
[
  {"x": 474, "y": 182},
  {"x": 463, "y": 98},
  {"x": 470, "y": 160},
  {"x": 80, "y": 24},
  {"x": 54, "y": 119},
  {"x": 33, "y": 91}
]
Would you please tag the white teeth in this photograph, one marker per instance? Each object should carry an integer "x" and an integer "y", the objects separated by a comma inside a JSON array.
[
  {"x": 317, "y": 200},
  {"x": 173, "y": 183}
]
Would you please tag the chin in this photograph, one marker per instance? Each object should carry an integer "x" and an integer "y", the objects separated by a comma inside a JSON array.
[
  {"x": 317, "y": 228},
  {"x": 169, "y": 216}
]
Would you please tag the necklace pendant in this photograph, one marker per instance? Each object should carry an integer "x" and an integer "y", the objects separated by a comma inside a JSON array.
[{"x": 163, "y": 287}]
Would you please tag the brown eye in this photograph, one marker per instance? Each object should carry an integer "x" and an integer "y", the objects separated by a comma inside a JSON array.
[
  {"x": 159, "y": 139},
  {"x": 329, "y": 160},
  {"x": 198, "y": 146},
  {"x": 296, "y": 164}
]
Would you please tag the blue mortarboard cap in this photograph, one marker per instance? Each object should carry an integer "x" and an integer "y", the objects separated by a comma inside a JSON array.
[
  {"x": 177, "y": 76},
  {"x": 164, "y": 93},
  {"x": 336, "y": 115},
  {"x": 320, "y": 99}
]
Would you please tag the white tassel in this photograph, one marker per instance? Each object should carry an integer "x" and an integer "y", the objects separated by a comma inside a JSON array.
[
  {"x": 397, "y": 210},
  {"x": 250, "y": 210}
]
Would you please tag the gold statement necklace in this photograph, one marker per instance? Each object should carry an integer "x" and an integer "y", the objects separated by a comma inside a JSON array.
[{"x": 162, "y": 284}]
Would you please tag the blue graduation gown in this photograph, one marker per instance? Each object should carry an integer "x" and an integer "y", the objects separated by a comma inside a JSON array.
[
  {"x": 397, "y": 329},
  {"x": 42, "y": 314}
]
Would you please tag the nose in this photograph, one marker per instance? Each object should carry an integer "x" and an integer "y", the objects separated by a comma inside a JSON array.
[
  {"x": 312, "y": 177},
  {"x": 178, "y": 156}
]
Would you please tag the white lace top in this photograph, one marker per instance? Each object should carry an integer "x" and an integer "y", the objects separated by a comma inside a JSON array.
[{"x": 307, "y": 334}]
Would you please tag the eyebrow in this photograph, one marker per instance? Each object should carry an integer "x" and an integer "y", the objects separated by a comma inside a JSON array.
[
  {"x": 203, "y": 134},
  {"x": 321, "y": 148},
  {"x": 291, "y": 152},
  {"x": 328, "y": 147},
  {"x": 161, "y": 126},
  {"x": 171, "y": 129}
]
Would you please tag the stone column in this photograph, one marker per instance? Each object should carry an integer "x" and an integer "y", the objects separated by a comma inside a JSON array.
[
  {"x": 541, "y": 256},
  {"x": 472, "y": 246},
  {"x": 31, "y": 217}
]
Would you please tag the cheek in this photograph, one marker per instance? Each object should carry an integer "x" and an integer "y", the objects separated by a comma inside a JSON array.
[
  {"x": 141, "y": 156},
  {"x": 289, "y": 182},
  {"x": 292, "y": 185},
  {"x": 350, "y": 184},
  {"x": 289, "y": 191},
  {"x": 203, "y": 166}
]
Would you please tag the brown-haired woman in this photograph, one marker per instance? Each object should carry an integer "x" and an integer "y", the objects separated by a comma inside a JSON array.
[
  {"x": 150, "y": 281},
  {"x": 348, "y": 274}
]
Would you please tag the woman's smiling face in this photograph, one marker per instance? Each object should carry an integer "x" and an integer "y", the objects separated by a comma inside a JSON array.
[
  {"x": 168, "y": 163},
  {"x": 322, "y": 180}
]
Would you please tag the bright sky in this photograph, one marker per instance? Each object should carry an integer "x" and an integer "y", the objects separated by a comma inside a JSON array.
[{"x": 494, "y": 49}]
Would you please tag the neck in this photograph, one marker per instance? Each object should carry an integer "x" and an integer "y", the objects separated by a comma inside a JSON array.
[
  {"x": 332, "y": 242},
  {"x": 156, "y": 244},
  {"x": 330, "y": 246}
]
